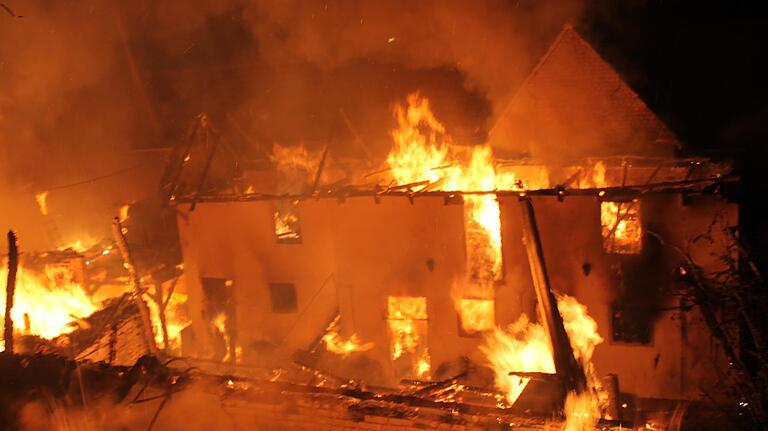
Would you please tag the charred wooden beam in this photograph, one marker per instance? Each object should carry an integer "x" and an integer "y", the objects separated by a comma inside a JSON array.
[
  {"x": 138, "y": 291},
  {"x": 567, "y": 368},
  {"x": 10, "y": 289},
  {"x": 711, "y": 185}
]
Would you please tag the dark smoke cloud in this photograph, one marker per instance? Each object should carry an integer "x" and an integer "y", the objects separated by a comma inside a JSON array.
[{"x": 85, "y": 83}]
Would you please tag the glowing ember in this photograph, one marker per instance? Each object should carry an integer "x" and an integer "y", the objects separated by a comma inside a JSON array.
[
  {"x": 621, "y": 228},
  {"x": 42, "y": 202},
  {"x": 46, "y": 304},
  {"x": 477, "y": 315},
  {"x": 407, "y": 326},
  {"x": 334, "y": 343}
]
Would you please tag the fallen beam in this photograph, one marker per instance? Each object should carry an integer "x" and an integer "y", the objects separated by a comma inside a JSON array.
[{"x": 567, "y": 368}]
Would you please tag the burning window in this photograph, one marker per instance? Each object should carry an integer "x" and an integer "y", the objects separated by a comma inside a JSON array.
[
  {"x": 407, "y": 321},
  {"x": 287, "y": 227},
  {"x": 476, "y": 315},
  {"x": 283, "y": 297},
  {"x": 622, "y": 232}
]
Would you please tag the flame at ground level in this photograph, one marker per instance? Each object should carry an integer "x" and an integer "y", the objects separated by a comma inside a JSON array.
[
  {"x": 525, "y": 347},
  {"x": 46, "y": 304}
]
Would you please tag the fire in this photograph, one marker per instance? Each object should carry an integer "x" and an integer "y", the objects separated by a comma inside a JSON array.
[
  {"x": 477, "y": 315},
  {"x": 123, "y": 213},
  {"x": 176, "y": 320},
  {"x": 620, "y": 221},
  {"x": 42, "y": 202},
  {"x": 424, "y": 153},
  {"x": 295, "y": 159},
  {"x": 582, "y": 411},
  {"x": 418, "y": 155},
  {"x": 286, "y": 219},
  {"x": 525, "y": 347},
  {"x": 621, "y": 228},
  {"x": 46, "y": 304},
  {"x": 407, "y": 326},
  {"x": 334, "y": 343}
]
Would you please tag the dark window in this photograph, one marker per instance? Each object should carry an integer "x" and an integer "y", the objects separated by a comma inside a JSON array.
[
  {"x": 283, "y": 297},
  {"x": 630, "y": 325}
]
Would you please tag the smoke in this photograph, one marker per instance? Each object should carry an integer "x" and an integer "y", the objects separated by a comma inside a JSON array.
[{"x": 84, "y": 84}]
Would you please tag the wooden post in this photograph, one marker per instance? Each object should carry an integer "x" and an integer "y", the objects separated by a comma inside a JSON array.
[
  {"x": 567, "y": 368},
  {"x": 10, "y": 289},
  {"x": 138, "y": 292}
]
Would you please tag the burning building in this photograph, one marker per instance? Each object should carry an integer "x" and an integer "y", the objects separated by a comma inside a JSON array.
[{"x": 456, "y": 257}]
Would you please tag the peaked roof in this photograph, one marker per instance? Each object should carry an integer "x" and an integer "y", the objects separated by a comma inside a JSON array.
[{"x": 575, "y": 105}]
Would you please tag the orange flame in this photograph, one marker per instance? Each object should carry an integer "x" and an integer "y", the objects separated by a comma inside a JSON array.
[
  {"x": 406, "y": 335},
  {"x": 477, "y": 315},
  {"x": 51, "y": 301},
  {"x": 621, "y": 228},
  {"x": 334, "y": 343},
  {"x": 423, "y": 152},
  {"x": 525, "y": 347},
  {"x": 42, "y": 202}
]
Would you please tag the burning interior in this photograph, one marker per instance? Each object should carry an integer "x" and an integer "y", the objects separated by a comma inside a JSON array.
[{"x": 446, "y": 284}]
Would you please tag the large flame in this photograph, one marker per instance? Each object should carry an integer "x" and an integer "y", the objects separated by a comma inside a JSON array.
[
  {"x": 423, "y": 154},
  {"x": 46, "y": 304},
  {"x": 522, "y": 347},
  {"x": 525, "y": 347},
  {"x": 335, "y": 343}
]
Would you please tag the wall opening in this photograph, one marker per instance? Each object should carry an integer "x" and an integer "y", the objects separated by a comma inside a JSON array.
[
  {"x": 286, "y": 218},
  {"x": 219, "y": 312},
  {"x": 283, "y": 297},
  {"x": 621, "y": 227},
  {"x": 408, "y": 327}
]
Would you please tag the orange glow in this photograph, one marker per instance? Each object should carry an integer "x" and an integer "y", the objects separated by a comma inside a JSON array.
[
  {"x": 525, "y": 347},
  {"x": 477, "y": 315},
  {"x": 175, "y": 320},
  {"x": 423, "y": 152},
  {"x": 621, "y": 228},
  {"x": 407, "y": 326},
  {"x": 295, "y": 159},
  {"x": 334, "y": 343},
  {"x": 420, "y": 145},
  {"x": 123, "y": 213},
  {"x": 286, "y": 219},
  {"x": 582, "y": 411},
  {"x": 42, "y": 202},
  {"x": 52, "y": 300}
]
